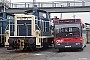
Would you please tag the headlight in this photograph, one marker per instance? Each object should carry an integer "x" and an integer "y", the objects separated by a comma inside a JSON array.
[{"x": 77, "y": 43}]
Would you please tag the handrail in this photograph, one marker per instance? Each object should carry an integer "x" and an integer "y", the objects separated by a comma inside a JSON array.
[
  {"x": 46, "y": 4},
  {"x": 37, "y": 26},
  {"x": 50, "y": 4}
]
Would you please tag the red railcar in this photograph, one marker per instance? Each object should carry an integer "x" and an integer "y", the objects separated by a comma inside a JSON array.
[{"x": 69, "y": 33}]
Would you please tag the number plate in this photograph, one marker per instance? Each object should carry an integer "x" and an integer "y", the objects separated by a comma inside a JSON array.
[
  {"x": 58, "y": 44},
  {"x": 67, "y": 46}
]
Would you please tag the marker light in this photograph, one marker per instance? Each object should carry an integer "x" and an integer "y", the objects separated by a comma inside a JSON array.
[{"x": 81, "y": 39}]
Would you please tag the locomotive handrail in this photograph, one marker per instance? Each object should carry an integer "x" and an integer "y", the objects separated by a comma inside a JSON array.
[
  {"x": 37, "y": 26},
  {"x": 6, "y": 27}
]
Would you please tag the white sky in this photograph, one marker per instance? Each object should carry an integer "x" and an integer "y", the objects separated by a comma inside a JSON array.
[{"x": 85, "y": 16}]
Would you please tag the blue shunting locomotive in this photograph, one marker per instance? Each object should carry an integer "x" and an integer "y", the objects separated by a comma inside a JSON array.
[
  {"x": 30, "y": 30},
  {"x": 4, "y": 21}
]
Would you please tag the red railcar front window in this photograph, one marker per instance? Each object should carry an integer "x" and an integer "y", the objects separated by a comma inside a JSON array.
[{"x": 67, "y": 32}]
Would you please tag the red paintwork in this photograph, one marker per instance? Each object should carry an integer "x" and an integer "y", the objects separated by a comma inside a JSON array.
[{"x": 67, "y": 40}]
